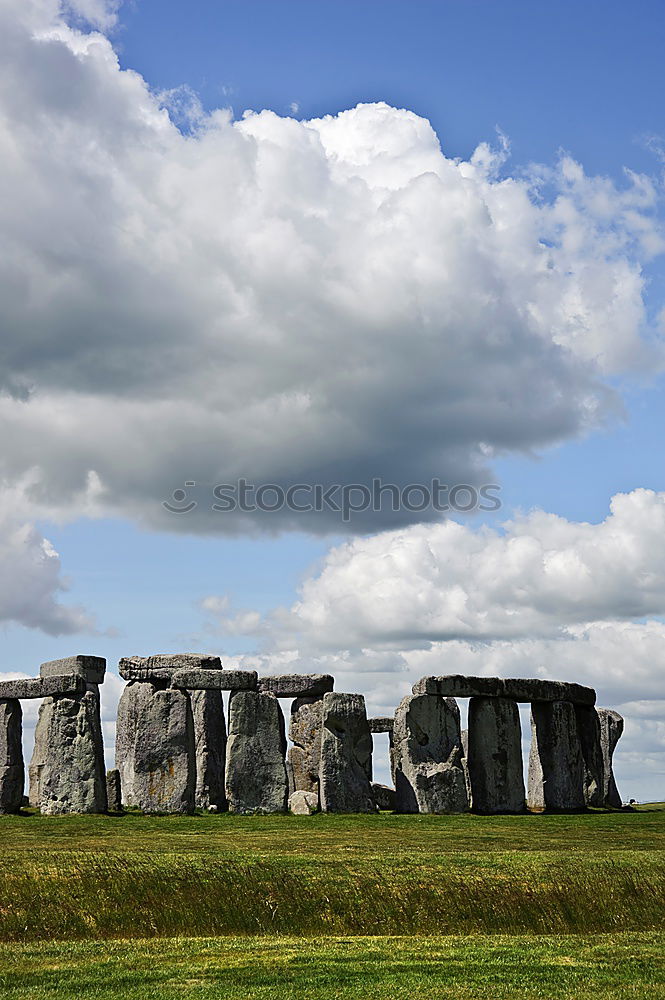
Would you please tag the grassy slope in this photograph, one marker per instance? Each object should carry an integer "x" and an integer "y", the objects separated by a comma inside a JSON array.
[{"x": 135, "y": 876}]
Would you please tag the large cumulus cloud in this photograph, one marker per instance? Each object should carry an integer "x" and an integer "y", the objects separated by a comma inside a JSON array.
[{"x": 319, "y": 301}]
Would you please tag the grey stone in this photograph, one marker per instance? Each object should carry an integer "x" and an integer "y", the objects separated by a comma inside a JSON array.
[
  {"x": 43, "y": 687},
  {"x": 464, "y": 737},
  {"x": 305, "y": 727},
  {"x": 588, "y": 731},
  {"x": 556, "y": 765},
  {"x": 517, "y": 689},
  {"x": 345, "y": 770},
  {"x": 214, "y": 680},
  {"x": 611, "y": 728},
  {"x": 256, "y": 778},
  {"x": 384, "y": 797},
  {"x": 70, "y": 773},
  {"x": 113, "y": 791},
  {"x": 91, "y": 668},
  {"x": 297, "y": 685},
  {"x": 494, "y": 756},
  {"x": 164, "y": 771},
  {"x": 303, "y": 803},
  {"x": 132, "y": 709},
  {"x": 381, "y": 724},
  {"x": 39, "y": 752},
  {"x": 160, "y": 667},
  {"x": 429, "y": 777},
  {"x": 210, "y": 747},
  {"x": 11, "y": 756}
]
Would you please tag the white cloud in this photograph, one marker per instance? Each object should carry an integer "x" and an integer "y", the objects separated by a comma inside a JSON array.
[{"x": 316, "y": 301}]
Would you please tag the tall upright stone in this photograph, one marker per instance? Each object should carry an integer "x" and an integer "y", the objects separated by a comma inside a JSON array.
[
  {"x": 305, "y": 729},
  {"x": 588, "y": 730},
  {"x": 132, "y": 709},
  {"x": 611, "y": 728},
  {"x": 210, "y": 748},
  {"x": 556, "y": 764},
  {"x": 495, "y": 756},
  {"x": 69, "y": 764},
  {"x": 429, "y": 777},
  {"x": 345, "y": 770},
  {"x": 163, "y": 778},
  {"x": 256, "y": 777},
  {"x": 11, "y": 756}
]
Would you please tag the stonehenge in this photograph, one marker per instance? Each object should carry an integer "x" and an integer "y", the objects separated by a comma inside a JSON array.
[{"x": 192, "y": 735}]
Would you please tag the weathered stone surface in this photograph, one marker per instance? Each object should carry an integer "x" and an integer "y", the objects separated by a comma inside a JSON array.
[
  {"x": 611, "y": 728},
  {"x": 91, "y": 668},
  {"x": 132, "y": 708},
  {"x": 210, "y": 746},
  {"x": 556, "y": 766},
  {"x": 113, "y": 791},
  {"x": 429, "y": 777},
  {"x": 164, "y": 771},
  {"x": 297, "y": 685},
  {"x": 381, "y": 724},
  {"x": 517, "y": 689},
  {"x": 160, "y": 667},
  {"x": 215, "y": 680},
  {"x": 588, "y": 731},
  {"x": 43, "y": 687},
  {"x": 256, "y": 779},
  {"x": 70, "y": 772},
  {"x": 494, "y": 756},
  {"x": 384, "y": 797},
  {"x": 345, "y": 770},
  {"x": 303, "y": 803},
  {"x": 39, "y": 752},
  {"x": 11, "y": 756},
  {"x": 464, "y": 736},
  {"x": 305, "y": 727}
]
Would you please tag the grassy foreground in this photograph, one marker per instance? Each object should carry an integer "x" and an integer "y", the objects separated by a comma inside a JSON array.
[
  {"x": 402, "y": 968},
  {"x": 137, "y": 876},
  {"x": 334, "y": 907}
]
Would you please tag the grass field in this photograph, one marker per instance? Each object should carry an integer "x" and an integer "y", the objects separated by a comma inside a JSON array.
[{"x": 333, "y": 906}]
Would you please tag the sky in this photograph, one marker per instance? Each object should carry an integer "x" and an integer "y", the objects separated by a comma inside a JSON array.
[{"x": 324, "y": 244}]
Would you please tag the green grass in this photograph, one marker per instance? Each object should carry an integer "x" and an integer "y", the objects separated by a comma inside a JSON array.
[
  {"x": 401, "y": 968},
  {"x": 78, "y": 878}
]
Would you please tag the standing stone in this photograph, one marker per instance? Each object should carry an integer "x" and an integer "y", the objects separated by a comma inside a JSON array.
[
  {"x": 113, "y": 791},
  {"x": 556, "y": 766},
  {"x": 495, "y": 756},
  {"x": 303, "y": 803},
  {"x": 464, "y": 738},
  {"x": 588, "y": 731},
  {"x": 70, "y": 771},
  {"x": 210, "y": 748},
  {"x": 305, "y": 728},
  {"x": 256, "y": 778},
  {"x": 11, "y": 756},
  {"x": 611, "y": 728},
  {"x": 384, "y": 797},
  {"x": 346, "y": 755},
  {"x": 429, "y": 777},
  {"x": 164, "y": 771},
  {"x": 132, "y": 709}
]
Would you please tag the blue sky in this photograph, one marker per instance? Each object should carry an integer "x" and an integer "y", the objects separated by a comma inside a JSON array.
[{"x": 583, "y": 80}]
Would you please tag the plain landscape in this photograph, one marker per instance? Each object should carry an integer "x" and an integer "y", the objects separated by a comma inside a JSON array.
[{"x": 333, "y": 906}]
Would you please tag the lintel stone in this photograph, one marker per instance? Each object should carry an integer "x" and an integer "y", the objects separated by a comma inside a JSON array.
[
  {"x": 43, "y": 687},
  {"x": 381, "y": 724},
  {"x": 517, "y": 688},
  {"x": 161, "y": 666},
  {"x": 92, "y": 668},
  {"x": 297, "y": 685},
  {"x": 215, "y": 680}
]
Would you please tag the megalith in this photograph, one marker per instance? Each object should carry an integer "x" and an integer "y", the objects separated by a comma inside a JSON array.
[
  {"x": 163, "y": 776},
  {"x": 11, "y": 755},
  {"x": 429, "y": 777},
  {"x": 495, "y": 756},
  {"x": 210, "y": 748},
  {"x": 67, "y": 771},
  {"x": 256, "y": 778},
  {"x": 132, "y": 709},
  {"x": 556, "y": 765},
  {"x": 588, "y": 731},
  {"x": 345, "y": 769},
  {"x": 611, "y": 728},
  {"x": 305, "y": 727},
  {"x": 113, "y": 791}
]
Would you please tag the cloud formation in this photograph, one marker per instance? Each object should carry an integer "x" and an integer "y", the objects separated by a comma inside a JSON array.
[{"x": 317, "y": 301}]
